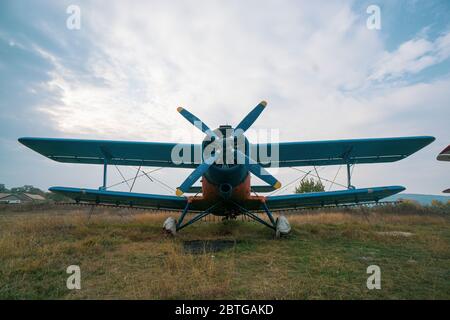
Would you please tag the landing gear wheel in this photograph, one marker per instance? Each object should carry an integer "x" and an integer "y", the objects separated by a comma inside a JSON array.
[
  {"x": 170, "y": 226},
  {"x": 282, "y": 227}
]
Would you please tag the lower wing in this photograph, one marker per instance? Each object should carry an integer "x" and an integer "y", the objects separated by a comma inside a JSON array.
[
  {"x": 165, "y": 202},
  {"x": 331, "y": 198},
  {"x": 139, "y": 200}
]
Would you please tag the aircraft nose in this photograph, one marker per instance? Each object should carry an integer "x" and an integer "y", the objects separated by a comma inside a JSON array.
[{"x": 225, "y": 190}]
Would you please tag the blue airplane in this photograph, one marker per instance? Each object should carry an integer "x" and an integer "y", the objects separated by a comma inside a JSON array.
[{"x": 226, "y": 189}]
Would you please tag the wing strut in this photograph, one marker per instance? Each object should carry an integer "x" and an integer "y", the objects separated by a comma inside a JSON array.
[
  {"x": 105, "y": 173},
  {"x": 346, "y": 157},
  {"x": 349, "y": 176},
  {"x": 106, "y": 157}
]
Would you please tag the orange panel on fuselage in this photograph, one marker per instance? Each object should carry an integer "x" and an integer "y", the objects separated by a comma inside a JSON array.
[{"x": 240, "y": 192}]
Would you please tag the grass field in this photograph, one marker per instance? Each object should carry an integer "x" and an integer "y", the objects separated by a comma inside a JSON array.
[{"x": 128, "y": 256}]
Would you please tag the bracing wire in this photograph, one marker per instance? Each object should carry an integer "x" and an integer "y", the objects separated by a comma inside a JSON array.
[
  {"x": 341, "y": 185},
  {"x": 332, "y": 183},
  {"x": 317, "y": 175},
  {"x": 135, "y": 177},
  {"x": 120, "y": 172},
  {"x": 151, "y": 178},
  {"x": 126, "y": 180},
  {"x": 302, "y": 177}
]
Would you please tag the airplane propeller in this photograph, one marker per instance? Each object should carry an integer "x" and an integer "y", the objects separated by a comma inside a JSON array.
[
  {"x": 251, "y": 117},
  {"x": 196, "y": 122},
  {"x": 196, "y": 174},
  {"x": 243, "y": 126},
  {"x": 259, "y": 171}
]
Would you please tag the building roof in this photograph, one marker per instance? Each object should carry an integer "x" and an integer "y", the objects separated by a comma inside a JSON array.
[
  {"x": 10, "y": 196},
  {"x": 23, "y": 196},
  {"x": 34, "y": 196}
]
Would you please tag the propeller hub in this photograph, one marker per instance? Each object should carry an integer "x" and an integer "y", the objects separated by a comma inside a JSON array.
[{"x": 225, "y": 143}]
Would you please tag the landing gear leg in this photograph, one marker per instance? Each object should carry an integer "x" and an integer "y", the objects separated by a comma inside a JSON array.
[
  {"x": 172, "y": 226},
  {"x": 280, "y": 226}
]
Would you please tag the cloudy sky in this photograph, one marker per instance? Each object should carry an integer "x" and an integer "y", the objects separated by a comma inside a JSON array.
[{"x": 324, "y": 74}]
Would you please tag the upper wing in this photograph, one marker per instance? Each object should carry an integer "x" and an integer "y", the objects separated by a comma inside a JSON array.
[
  {"x": 321, "y": 153},
  {"x": 125, "y": 153},
  {"x": 142, "y": 200},
  {"x": 331, "y": 198}
]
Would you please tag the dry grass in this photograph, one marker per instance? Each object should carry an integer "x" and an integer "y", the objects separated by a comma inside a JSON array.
[
  {"x": 367, "y": 218},
  {"x": 125, "y": 255}
]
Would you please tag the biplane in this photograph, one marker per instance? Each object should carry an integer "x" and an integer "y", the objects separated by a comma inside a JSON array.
[
  {"x": 445, "y": 156},
  {"x": 225, "y": 161}
]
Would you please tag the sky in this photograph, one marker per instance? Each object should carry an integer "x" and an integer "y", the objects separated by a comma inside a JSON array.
[{"x": 123, "y": 73}]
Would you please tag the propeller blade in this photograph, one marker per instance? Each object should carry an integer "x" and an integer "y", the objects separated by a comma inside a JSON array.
[
  {"x": 251, "y": 117},
  {"x": 259, "y": 171},
  {"x": 264, "y": 175},
  {"x": 196, "y": 122},
  {"x": 196, "y": 174}
]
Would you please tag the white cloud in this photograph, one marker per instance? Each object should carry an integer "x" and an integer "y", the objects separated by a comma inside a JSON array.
[
  {"x": 412, "y": 57},
  {"x": 219, "y": 59}
]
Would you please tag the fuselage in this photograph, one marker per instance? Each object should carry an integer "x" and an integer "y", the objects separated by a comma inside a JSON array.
[
  {"x": 230, "y": 189},
  {"x": 226, "y": 183}
]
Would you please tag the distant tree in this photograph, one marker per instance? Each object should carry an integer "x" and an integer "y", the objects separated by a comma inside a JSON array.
[
  {"x": 3, "y": 188},
  {"x": 28, "y": 189},
  {"x": 406, "y": 205},
  {"x": 309, "y": 185},
  {"x": 441, "y": 207},
  {"x": 437, "y": 203}
]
